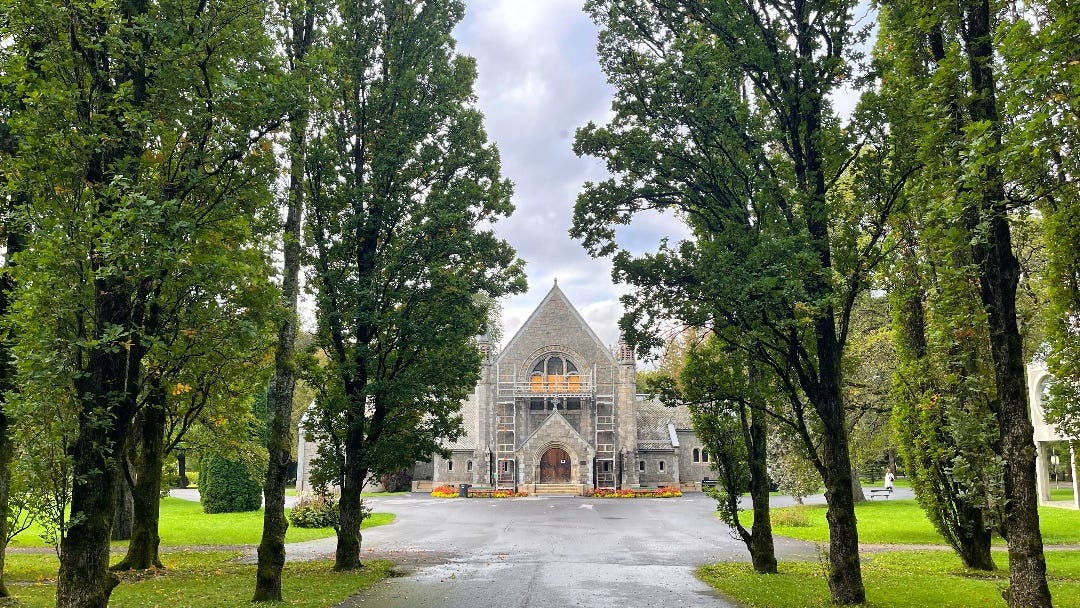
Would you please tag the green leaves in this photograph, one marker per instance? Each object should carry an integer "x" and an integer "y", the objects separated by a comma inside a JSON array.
[{"x": 403, "y": 187}]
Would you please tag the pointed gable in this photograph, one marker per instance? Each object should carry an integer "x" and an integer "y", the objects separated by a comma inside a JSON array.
[{"x": 556, "y": 326}]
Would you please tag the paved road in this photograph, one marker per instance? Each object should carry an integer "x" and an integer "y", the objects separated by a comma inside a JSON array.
[{"x": 550, "y": 552}]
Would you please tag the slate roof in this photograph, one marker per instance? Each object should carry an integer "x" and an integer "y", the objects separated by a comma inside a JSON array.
[
  {"x": 652, "y": 422},
  {"x": 470, "y": 411}
]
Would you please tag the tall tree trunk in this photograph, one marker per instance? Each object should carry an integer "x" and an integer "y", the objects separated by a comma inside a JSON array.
[
  {"x": 974, "y": 538},
  {"x": 762, "y": 549},
  {"x": 283, "y": 384},
  {"x": 84, "y": 580},
  {"x": 142, "y": 553},
  {"x": 350, "y": 508},
  {"x": 125, "y": 508},
  {"x": 999, "y": 275},
  {"x": 845, "y": 571}
]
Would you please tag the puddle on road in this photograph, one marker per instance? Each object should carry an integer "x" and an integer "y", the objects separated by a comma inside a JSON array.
[{"x": 477, "y": 572}]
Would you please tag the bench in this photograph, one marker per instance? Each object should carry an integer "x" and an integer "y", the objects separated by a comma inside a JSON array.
[
  {"x": 880, "y": 492},
  {"x": 708, "y": 483}
]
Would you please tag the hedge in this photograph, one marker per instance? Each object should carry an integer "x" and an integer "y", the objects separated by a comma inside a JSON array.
[{"x": 226, "y": 487}]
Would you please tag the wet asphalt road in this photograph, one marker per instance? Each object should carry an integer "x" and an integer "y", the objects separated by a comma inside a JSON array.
[{"x": 549, "y": 552}]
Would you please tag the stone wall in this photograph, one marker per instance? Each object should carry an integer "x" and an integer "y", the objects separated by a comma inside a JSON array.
[{"x": 652, "y": 474}]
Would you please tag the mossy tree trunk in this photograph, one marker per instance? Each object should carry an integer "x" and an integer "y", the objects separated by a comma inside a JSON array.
[
  {"x": 998, "y": 279},
  {"x": 142, "y": 553},
  {"x": 283, "y": 384}
]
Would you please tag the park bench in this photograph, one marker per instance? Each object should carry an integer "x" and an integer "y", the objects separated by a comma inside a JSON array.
[
  {"x": 708, "y": 483},
  {"x": 880, "y": 492}
]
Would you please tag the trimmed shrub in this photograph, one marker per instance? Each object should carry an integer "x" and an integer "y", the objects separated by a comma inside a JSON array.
[
  {"x": 227, "y": 487},
  {"x": 318, "y": 511}
]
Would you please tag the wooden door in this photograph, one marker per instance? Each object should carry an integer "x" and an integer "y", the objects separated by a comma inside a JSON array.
[{"x": 555, "y": 466}]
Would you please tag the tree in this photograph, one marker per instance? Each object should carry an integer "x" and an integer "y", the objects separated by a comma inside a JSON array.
[
  {"x": 942, "y": 392},
  {"x": 1040, "y": 96},
  {"x": 725, "y": 391},
  {"x": 974, "y": 165},
  {"x": 209, "y": 358},
  {"x": 136, "y": 141},
  {"x": 14, "y": 243},
  {"x": 403, "y": 186},
  {"x": 298, "y": 25},
  {"x": 722, "y": 114},
  {"x": 868, "y": 365}
]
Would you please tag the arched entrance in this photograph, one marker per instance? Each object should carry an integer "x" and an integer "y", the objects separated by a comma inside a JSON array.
[{"x": 555, "y": 466}]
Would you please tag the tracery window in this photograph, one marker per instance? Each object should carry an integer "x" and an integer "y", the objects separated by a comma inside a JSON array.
[{"x": 554, "y": 373}]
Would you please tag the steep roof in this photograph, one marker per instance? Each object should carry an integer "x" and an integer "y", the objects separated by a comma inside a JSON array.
[
  {"x": 653, "y": 419},
  {"x": 570, "y": 324}
]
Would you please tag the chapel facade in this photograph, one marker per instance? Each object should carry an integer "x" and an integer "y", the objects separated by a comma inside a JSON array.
[{"x": 556, "y": 411}]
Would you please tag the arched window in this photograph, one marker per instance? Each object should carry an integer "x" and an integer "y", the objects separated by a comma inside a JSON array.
[
  {"x": 449, "y": 465},
  {"x": 661, "y": 466},
  {"x": 468, "y": 466},
  {"x": 697, "y": 455},
  {"x": 704, "y": 455},
  {"x": 641, "y": 466},
  {"x": 554, "y": 373}
]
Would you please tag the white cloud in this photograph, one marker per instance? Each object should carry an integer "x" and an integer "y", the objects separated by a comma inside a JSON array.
[{"x": 539, "y": 80}]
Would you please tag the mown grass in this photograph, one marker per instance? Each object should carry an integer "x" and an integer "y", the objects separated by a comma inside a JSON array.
[
  {"x": 1061, "y": 493},
  {"x": 183, "y": 523},
  {"x": 901, "y": 579},
  {"x": 903, "y": 522},
  {"x": 197, "y": 580}
]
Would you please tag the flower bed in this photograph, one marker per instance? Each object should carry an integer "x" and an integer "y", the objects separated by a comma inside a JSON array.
[
  {"x": 664, "y": 492},
  {"x": 445, "y": 492}
]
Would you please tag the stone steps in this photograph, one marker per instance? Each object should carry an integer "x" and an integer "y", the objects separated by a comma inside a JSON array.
[{"x": 573, "y": 489}]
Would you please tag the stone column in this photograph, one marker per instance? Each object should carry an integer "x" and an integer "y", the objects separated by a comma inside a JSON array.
[
  {"x": 1076, "y": 487},
  {"x": 625, "y": 415},
  {"x": 1042, "y": 471}
]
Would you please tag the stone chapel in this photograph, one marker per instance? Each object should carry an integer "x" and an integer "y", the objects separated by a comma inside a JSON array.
[{"x": 556, "y": 412}]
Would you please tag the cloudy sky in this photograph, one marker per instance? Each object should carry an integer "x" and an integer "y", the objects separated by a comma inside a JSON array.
[{"x": 539, "y": 80}]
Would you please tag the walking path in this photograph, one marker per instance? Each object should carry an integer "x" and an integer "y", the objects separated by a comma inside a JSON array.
[{"x": 549, "y": 552}]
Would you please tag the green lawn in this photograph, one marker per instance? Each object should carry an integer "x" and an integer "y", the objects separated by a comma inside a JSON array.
[
  {"x": 903, "y": 522},
  {"x": 903, "y": 579},
  {"x": 197, "y": 580},
  {"x": 183, "y": 523},
  {"x": 1061, "y": 494},
  {"x": 899, "y": 579}
]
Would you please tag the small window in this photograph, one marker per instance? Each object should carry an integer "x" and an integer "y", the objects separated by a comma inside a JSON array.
[
  {"x": 449, "y": 465},
  {"x": 506, "y": 466},
  {"x": 607, "y": 466},
  {"x": 468, "y": 466},
  {"x": 573, "y": 404},
  {"x": 536, "y": 404},
  {"x": 661, "y": 466},
  {"x": 641, "y": 466},
  {"x": 697, "y": 455},
  {"x": 704, "y": 456}
]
